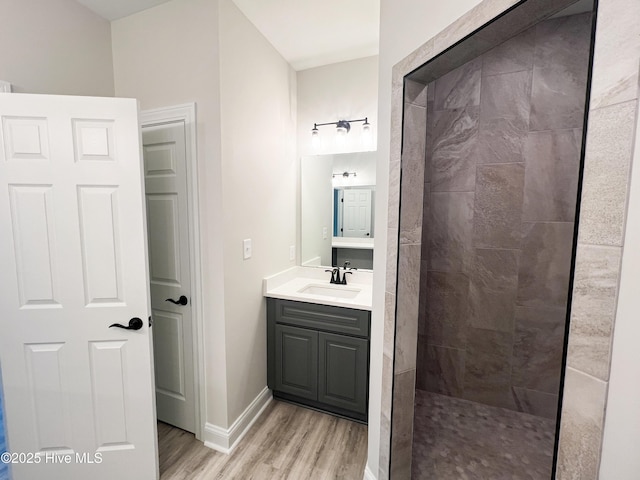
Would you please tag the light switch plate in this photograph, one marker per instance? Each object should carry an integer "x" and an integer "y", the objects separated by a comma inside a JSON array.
[
  {"x": 292, "y": 253},
  {"x": 246, "y": 248},
  {"x": 324, "y": 233}
]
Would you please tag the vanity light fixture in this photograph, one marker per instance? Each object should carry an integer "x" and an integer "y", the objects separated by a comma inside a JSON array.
[
  {"x": 343, "y": 174},
  {"x": 342, "y": 127}
]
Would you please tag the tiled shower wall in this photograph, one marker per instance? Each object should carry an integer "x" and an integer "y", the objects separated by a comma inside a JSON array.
[{"x": 502, "y": 162}]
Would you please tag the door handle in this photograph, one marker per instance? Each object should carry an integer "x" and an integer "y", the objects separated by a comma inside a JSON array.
[
  {"x": 181, "y": 301},
  {"x": 134, "y": 324}
]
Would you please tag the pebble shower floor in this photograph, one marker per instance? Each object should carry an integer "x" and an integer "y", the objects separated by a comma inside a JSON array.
[{"x": 459, "y": 439}]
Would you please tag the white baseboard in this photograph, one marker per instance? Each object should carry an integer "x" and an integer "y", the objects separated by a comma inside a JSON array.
[
  {"x": 226, "y": 439},
  {"x": 368, "y": 474}
]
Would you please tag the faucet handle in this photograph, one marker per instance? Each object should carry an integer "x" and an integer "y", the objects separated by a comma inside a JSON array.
[
  {"x": 335, "y": 275},
  {"x": 346, "y": 265},
  {"x": 344, "y": 277}
]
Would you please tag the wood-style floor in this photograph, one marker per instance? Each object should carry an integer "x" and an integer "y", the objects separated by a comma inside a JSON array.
[{"x": 286, "y": 442}]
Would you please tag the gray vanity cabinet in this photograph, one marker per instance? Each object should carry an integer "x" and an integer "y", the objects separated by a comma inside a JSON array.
[
  {"x": 318, "y": 355},
  {"x": 297, "y": 358},
  {"x": 343, "y": 367}
]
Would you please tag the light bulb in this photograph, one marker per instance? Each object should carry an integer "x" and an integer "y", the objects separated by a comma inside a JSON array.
[
  {"x": 315, "y": 137},
  {"x": 367, "y": 136}
]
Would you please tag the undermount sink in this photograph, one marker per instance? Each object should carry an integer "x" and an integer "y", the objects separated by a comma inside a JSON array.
[{"x": 336, "y": 291}]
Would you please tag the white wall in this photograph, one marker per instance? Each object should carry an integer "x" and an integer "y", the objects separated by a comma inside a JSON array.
[
  {"x": 55, "y": 47},
  {"x": 206, "y": 51},
  {"x": 258, "y": 106},
  {"x": 404, "y": 26},
  {"x": 340, "y": 91},
  {"x": 165, "y": 56}
]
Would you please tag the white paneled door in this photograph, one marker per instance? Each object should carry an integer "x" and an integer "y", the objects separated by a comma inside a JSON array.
[
  {"x": 357, "y": 213},
  {"x": 168, "y": 230},
  {"x": 78, "y": 390}
]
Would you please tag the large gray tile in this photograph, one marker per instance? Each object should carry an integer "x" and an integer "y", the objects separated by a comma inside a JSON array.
[
  {"x": 412, "y": 61},
  {"x": 498, "y": 205},
  {"x": 397, "y": 116},
  {"x": 447, "y": 299},
  {"x": 422, "y": 305},
  {"x": 414, "y": 133},
  {"x": 564, "y": 40},
  {"x": 580, "y": 442},
  {"x": 476, "y": 17},
  {"x": 421, "y": 363},
  {"x": 411, "y": 194},
  {"x": 617, "y": 53},
  {"x": 402, "y": 424},
  {"x": 385, "y": 413},
  {"x": 444, "y": 370},
  {"x": 594, "y": 308},
  {"x": 450, "y": 231},
  {"x": 388, "y": 342},
  {"x": 391, "y": 283},
  {"x": 536, "y": 403},
  {"x": 393, "y": 208},
  {"x": 506, "y": 96},
  {"x": 610, "y": 138},
  {"x": 428, "y": 153},
  {"x": 407, "y": 308},
  {"x": 454, "y": 147},
  {"x": 424, "y": 259},
  {"x": 552, "y": 160},
  {"x": 385, "y": 448},
  {"x": 560, "y": 73},
  {"x": 545, "y": 264},
  {"x": 387, "y": 386},
  {"x": 514, "y": 55},
  {"x": 431, "y": 92},
  {"x": 415, "y": 92},
  {"x": 426, "y": 215},
  {"x": 487, "y": 376},
  {"x": 501, "y": 140},
  {"x": 459, "y": 88},
  {"x": 493, "y": 287},
  {"x": 537, "y": 349}
]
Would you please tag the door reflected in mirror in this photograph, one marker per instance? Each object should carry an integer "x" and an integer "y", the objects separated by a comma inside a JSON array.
[{"x": 338, "y": 209}]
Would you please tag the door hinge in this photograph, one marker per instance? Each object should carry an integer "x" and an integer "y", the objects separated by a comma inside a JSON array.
[{"x": 150, "y": 322}]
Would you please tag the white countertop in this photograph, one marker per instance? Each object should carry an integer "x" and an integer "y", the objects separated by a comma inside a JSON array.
[
  {"x": 288, "y": 285},
  {"x": 352, "y": 242}
]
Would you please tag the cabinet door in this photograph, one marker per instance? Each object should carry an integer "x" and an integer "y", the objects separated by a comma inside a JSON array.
[
  {"x": 297, "y": 361},
  {"x": 343, "y": 371}
]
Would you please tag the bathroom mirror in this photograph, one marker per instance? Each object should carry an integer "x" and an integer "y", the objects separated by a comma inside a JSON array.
[{"x": 338, "y": 195}]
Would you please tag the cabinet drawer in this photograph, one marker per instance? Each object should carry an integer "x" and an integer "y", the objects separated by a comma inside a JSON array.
[{"x": 322, "y": 317}]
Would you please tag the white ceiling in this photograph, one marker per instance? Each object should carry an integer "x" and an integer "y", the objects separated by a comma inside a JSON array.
[
  {"x": 114, "y": 9},
  {"x": 310, "y": 33},
  {"x": 307, "y": 33}
]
